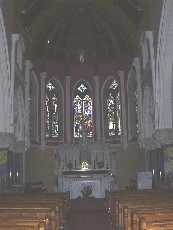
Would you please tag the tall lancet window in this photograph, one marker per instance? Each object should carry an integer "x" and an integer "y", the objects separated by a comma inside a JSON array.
[
  {"x": 112, "y": 109},
  {"x": 82, "y": 111},
  {"x": 54, "y": 110}
]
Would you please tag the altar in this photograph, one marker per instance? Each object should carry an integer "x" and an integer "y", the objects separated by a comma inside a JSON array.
[
  {"x": 79, "y": 182},
  {"x": 85, "y": 168}
]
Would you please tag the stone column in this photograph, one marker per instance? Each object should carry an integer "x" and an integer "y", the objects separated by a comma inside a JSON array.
[
  {"x": 68, "y": 131},
  {"x": 97, "y": 108},
  {"x": 28, "y": 68},
  {"x": 123, "y": 109},
  {"x": 136, "y": 64},
  {"x": 14, "y": 39},
  {"x": 42, "y": 103},
  {"x": 5, "y": 78}
]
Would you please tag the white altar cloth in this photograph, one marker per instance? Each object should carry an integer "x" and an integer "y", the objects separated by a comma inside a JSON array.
[{"x": 99, "y": 183}]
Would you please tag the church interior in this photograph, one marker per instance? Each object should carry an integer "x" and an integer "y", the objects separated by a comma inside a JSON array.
[{"x": 86, "y": 114}]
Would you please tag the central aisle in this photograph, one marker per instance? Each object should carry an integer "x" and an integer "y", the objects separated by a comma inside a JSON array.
[{"x": 88, "y": 214}]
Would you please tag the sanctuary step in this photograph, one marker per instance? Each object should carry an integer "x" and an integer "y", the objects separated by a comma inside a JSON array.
[{"x": 88, "y": 214}]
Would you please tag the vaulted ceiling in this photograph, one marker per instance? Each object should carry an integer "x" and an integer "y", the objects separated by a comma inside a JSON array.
[{"x": 73, "y": 31}]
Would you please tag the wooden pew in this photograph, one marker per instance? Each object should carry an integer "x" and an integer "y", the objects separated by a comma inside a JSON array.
[
  {"x": 14, "y": 227},
  {"x": 28, "y": 223},
  {"x": 43, "y": 210},
  {"x": 148, "y": 222},
  {"x": 128, "y": 209}
]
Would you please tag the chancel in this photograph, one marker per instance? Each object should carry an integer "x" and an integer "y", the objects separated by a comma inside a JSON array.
[
  {"x": 84, "y": 165},
  {"x": 86, "y": 114}
]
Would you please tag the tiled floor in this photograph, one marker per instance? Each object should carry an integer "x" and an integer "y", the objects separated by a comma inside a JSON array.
[{"x": 88, "y": 215}]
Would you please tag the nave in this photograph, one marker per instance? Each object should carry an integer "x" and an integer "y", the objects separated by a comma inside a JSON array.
[
  {"x": 88, "y": 214},
  {"x": 86, "y": 102}
]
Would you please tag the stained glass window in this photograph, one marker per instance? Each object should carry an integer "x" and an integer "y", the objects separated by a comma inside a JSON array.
[
  {"x": 113, "y": 109},
  {"x": 82, "y": 111},
  {"x": 54, "y": 127}
]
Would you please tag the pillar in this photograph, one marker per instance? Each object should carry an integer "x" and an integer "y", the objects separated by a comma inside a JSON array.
[
  {"x": 28, "y": 68},
  {"x": 43, "y": 95},
  {"x": 97, "y": 108},
  {"x": 14, "y": 39},
  {"x": 123, "y": 109},
  {"x": 68, "y": 131}
]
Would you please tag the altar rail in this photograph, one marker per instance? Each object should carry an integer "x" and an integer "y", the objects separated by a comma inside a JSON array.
[
  {"x": 145, "y": 210},
  {"x": 33, "y": 211}
]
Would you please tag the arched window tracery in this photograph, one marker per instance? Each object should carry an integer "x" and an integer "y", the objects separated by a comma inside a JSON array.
[
  {"x": 54, "y": 109},
  {"x": 82, "y": 111},
  {"x": 112, "y": 109}
]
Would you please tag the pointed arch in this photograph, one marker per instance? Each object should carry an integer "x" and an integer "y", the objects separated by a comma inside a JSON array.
[
  {"x": 54, "y": 110},
  {"x": 82, "y": 110},
  {"x": 111, "y": 102}
]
